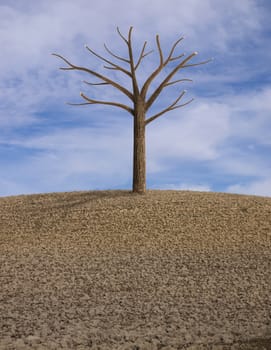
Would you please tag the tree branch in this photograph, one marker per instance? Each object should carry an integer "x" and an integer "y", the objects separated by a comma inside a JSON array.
[
  {"x": 118, "y": 57},
  {"x": 177, "y": 81},
  {"x": 198, "y": 64},
  {"x": 177, "y": 57},
  {"x": 86, "y": 82},
  {"x": 161, "y": 65},
  {"x": 155, "y": 72},
  {"x": 169, "y": 108},
  {"x": 102, "y": 77},
  {"x": 166, "y": 80},
  {"x": 132, "y": 65},
  {"x": 78, "y": 104},
  {"x": 130, "y": 35},
  {"x": 170, "y": 58},
  {"x": 142, "y": 55},
  {"x": 92, "y": 101},
  {"x": 160, "y": 51},
  {"x": 112, "y": 68},
  {"x": 123, "y": 38},
  {"x": 109, "y": 62}
]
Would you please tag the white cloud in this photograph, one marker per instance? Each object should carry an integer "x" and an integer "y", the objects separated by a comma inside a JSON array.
[
  {"x": 29, "y": 34},
  {"x": 183, "y": 186},
  {"x": 196, "y": 135},
  {"x": 250, "y": 115},
  {"x": 62, "y": 25},
  {"x": 199, "y": 132},
  {"x": 9, "y": 188},
  {"x": 259, "y": 188},
  {"x": 193, "y": 132}
]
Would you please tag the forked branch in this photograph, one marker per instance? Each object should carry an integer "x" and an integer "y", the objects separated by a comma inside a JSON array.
[
  {"x": 142, "y": 55},
  {"x": 132, "y": 65},
  {"x": 170, "y": 58},
  {"x": 92, "y": 101},
  {"x": 165, "y": 82},
  {"x": 173, "y": 106},
  {"x": 136, "y": 96},
  {"x": 161, "y": 65},
  {"x": 118, "y": 57},
  {"x": 198, "y": 64},
  {"x": 122, "y": 36},
  {"x": 114, "y": 66},
  {"x": 102, "y": 77}
]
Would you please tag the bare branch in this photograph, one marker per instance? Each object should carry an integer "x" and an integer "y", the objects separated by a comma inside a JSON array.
[
  {"x": 155, "y": 72},
  {"x": 66, "y": 68},
  {"x": 166, "y": 80},
  {"x": 166, "y": 110},
  {"x": 143, "y": 49},
  {"x": 198, "y": 64},
  {"x": 170, "y": 58},
  {"x": 142, "y": 55},
  {"x": 112, "y": 68},
  {"x": 86, "y": 82},
  {"x": 109, "y": 62},
  {"x": 160, "y": 51},
  {"x": 130, "y": 35},
  {"x": 146, "y": 54},
  {"x": 118, "y": 57},
  {"x": 132, "y": 65},
  {"x": 65, "y": 60},
  {"x": 169, "y": 108},
  {"x": 78, "y": 104},
  {"x": 177, "y": 81},
  {"x": 102, "y": 77},
  {"x": 177, "y": 57},
  {"x": 161, "y": 65},
  {"x": 123, "y": 37},
  {"x": 116, "y": 104}
]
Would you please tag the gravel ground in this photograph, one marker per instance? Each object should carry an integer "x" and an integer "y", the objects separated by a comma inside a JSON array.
[{"x": 115, "y": 270}]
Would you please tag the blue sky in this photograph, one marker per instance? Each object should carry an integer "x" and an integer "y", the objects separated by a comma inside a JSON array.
[{"x": 220, "y": 142}]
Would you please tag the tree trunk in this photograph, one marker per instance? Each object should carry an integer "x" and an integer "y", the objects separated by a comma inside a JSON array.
[{"x": 139, "y": 160}]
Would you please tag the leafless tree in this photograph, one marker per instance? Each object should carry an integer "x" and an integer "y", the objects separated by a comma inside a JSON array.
[{"x": 140, "y": 103}]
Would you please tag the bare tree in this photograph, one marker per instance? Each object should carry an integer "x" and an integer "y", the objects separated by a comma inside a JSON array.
[{"x": 140, "y": 103}]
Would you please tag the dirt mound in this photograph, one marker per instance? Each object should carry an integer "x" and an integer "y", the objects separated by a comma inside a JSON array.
[{"x": 115, "y": 270}]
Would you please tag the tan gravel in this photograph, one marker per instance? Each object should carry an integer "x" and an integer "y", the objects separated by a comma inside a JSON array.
[{"x": 115, "y": 270}]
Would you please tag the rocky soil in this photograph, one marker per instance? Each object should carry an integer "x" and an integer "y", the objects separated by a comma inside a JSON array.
[{"x": 115, "y": 270}]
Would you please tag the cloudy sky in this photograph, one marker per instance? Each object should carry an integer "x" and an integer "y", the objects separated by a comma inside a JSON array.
[{"x": 220, "y": 142}]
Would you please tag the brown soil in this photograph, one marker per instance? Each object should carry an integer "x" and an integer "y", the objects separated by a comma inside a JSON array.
[{"x": 115, "y": 270}]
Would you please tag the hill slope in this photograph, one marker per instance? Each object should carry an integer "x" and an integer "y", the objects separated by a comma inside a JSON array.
[{"x": 119, "y": 270}]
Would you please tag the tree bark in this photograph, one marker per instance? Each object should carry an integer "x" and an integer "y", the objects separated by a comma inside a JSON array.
[{"x": 139, "y": 160}]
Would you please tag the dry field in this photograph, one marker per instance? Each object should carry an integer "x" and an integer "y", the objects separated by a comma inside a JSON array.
[{"x": 115, "y": 270}]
